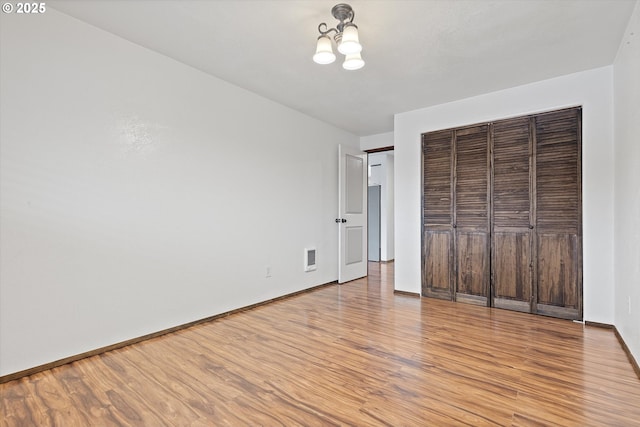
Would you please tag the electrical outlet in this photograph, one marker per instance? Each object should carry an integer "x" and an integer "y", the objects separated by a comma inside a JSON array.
[{"x": 268, "y": 272}]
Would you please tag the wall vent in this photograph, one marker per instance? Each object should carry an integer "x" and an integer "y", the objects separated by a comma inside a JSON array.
[{"x": 309, "y": 259}]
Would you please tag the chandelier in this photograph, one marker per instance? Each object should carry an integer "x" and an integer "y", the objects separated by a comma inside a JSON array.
[{"x": 346, "y": 38}]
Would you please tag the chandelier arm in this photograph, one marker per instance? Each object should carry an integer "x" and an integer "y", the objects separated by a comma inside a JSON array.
[{"x": 325, "y": 32}]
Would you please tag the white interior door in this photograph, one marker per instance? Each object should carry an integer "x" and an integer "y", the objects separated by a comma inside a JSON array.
[{"x": 352, "y": 214}]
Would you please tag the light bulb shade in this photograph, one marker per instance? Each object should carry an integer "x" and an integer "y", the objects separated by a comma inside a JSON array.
[
  {"x": 324, "y": 51},
  {"x": 353, "y": 62},
  {"x": 350, "y": 42}
]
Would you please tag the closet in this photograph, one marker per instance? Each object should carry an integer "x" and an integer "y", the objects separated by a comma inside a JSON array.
[{"x": 502, "y": 214}]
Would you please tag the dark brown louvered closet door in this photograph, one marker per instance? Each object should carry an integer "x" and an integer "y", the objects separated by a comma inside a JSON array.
[
  {"x": 437, "y": 215},
  {"x": 558, "y": 213},
  {"x": 502, "y": 214},
  {"x": 471, "y": 214},
  {"x": 512, "y": 217}
]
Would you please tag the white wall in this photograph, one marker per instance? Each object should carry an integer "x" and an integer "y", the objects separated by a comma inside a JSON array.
[
  {"x": 139, "y": 194},
  {"x": 380, "y": 140},
  {"x": 591, "y": 89},
  {"x": 627, "y": 185}
]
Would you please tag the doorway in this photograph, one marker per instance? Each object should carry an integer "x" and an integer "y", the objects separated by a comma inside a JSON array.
[{"x": 380, "y": 215}]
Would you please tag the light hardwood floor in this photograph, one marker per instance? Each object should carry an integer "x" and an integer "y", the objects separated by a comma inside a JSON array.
[{"x": 352, "y": 354}]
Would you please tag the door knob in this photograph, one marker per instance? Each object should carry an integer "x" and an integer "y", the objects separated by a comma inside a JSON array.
[
  {"x": 531, "y": 227},
  {"x": 338, "y": 220},
  {"x": 344, "y": 220}
]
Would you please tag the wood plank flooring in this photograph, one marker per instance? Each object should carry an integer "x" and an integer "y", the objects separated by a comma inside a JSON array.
[{"x": 352, "y": 354}]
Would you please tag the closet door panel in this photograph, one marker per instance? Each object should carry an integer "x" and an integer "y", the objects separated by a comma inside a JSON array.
[
  {"x": 471, "y": 214},
  {"x": 437, "y": 214},
  {"x": 557, "y": 275},
  {"x": 511, "y": 214},
  {"x": 557, "y": 173},
  {"x": 437, "y": 268},
  {"x": 512, "y": 271},
  {"x": 472, "y": 179},
  {"x": 472, "y": 267},
  {"x": 511, "y": 173}
]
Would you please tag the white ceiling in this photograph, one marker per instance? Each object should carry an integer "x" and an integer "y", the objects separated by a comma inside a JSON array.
[{"x": 417, "y": 53}]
